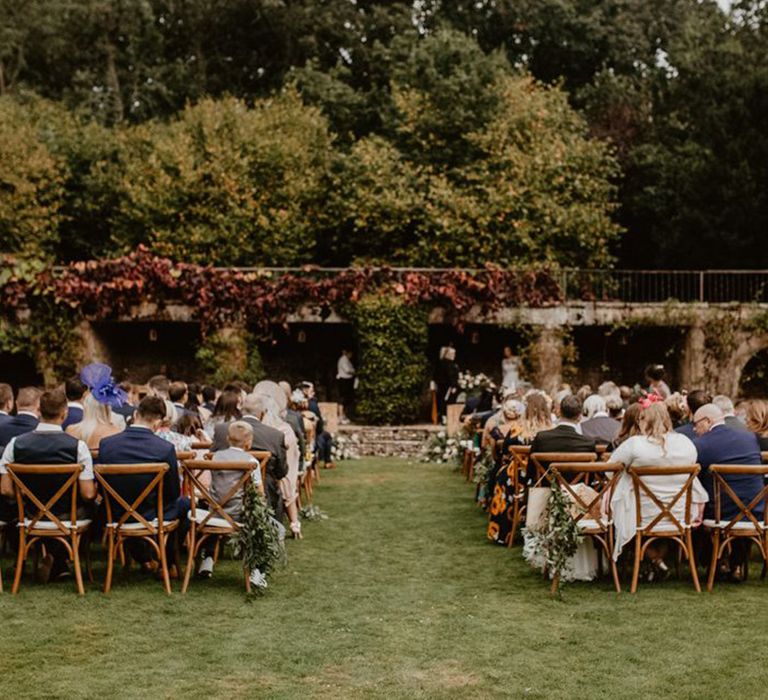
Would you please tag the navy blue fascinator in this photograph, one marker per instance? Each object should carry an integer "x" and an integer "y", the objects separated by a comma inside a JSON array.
[{"x": 98, "y": 378}]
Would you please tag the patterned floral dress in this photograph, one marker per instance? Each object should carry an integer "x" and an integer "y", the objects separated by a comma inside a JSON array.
[{"x": 501, "y": 490}]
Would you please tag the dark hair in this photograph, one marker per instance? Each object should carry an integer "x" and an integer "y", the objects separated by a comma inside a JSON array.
[
  {"x": 209, "y": 393},
  {"x": 159, "y": 383},
  {"x": 571, "y": 407},
  {"x": 655, "y": 372},
  {"x": 188, "y": 425},
  {"x": 74, "y": 389},
  {"x": 227, "y": 406},
  {"x": 52, "y": 404},
  {"x": 696, "y": 399},
  {"x": 6, "y": 394},
  {"x": 193, "y": 402},
  {"x": 176, "y": 391},
  {"x": 151, "y": 408}
]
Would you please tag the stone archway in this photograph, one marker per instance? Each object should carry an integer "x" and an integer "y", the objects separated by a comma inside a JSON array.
[{"x": 727, "y": 377}]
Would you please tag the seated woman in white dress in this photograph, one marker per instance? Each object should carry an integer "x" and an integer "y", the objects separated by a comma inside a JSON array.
[{"x": 656, "y": 446}]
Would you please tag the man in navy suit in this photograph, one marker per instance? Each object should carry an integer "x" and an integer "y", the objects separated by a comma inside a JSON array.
[
  {"x": 26, "y": 418},
  {"x": 75, "y": 391},
  {"x": 6, "y": 403},
  {"x": 178, "y": 393},
  {"x": 138, "y": 444},
  {"x": 718, "y": 444}
]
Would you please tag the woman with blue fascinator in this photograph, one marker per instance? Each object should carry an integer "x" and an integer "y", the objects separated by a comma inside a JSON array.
[{"x": 99, "y": 421}]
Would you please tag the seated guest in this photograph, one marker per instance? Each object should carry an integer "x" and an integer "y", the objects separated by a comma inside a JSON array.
[
  {"x": 227, "y": 409},
  {"x": 294, "y": 419},
  {"x": 138, "y": 444},
  {"x": 694, "y": 401},
  {"x": 657, "y": 445},
  {"x": 97, "y": 423},
  {"x": 615, "y": 406},
  {"x": 75, "y": 390},
  {"x": 6, "y": 402},
  {"x": 757, "y": 421},
  {"x": 599, "y": 425},
  {"x": 209, "y": 402},
  {"x": 178, "y": 394},
  {"x": 47, "y": 444},
  {"x": 725, "y": 404},
  {"x": 127, "y": 408},
  {"x": 655, "y": 375},
  {"x": 167, "y": 430},
  {"x": 629, "y": 425},
  {"x": 191, "y": 427},
  {"x": 26, "y": 418},
  {"x": 323, "y": 439},
  {"x": 158, "y": 386},
  {"x": 718, "y": 444},
  {"x": 678, "y": 409},
  {"x": 239, "y": 439}
]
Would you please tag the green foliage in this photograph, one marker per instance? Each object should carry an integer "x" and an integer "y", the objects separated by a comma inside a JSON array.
[
  {"x": 227, "y": 355},
  {"x": 257, "y": 542},
  {"x": 393, "y": 372},
  {"x": 224, "y": 184}
]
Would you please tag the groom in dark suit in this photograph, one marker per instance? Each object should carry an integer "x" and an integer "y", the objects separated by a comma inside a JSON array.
[{"x": 26, "y": 418}]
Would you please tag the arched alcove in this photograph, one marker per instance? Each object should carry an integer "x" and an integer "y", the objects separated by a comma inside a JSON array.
[
  {"x": 18, "y": 369},
  {"x": 754, "y": 377}
]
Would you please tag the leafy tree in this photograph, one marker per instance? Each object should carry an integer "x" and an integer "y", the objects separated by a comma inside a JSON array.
[{"x": 224, "y": 184}]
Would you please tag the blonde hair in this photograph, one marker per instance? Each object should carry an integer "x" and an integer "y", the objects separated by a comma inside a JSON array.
[
  {"x": 757, "y": 417},
  {"x": 239, "y": 434},
  {"x": 655, "y": 424},
  {"x": 94, "y": 414},
  {"x": 538, "y": 415}
]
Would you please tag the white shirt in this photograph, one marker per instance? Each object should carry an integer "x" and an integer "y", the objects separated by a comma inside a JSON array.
[
  {"x": 75, "y": 404},
  {"x": 83, "y": 453},
  {"x": 344, "y": 368}
]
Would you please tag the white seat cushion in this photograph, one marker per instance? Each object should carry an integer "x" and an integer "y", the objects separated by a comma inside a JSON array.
[
  {"x": 201, "y": 515},
  {"x": 722, "y": 524},
  {"x": 50, "y": 525},
  {"x": 141, "y": 526},
  {"x": 587, "y": 524}
]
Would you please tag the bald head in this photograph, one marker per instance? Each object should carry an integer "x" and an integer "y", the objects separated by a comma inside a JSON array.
[{"x": 707, "y": 417}]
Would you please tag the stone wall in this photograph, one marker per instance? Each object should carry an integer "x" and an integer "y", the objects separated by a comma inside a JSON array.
[{"x": 391, "y": 441}]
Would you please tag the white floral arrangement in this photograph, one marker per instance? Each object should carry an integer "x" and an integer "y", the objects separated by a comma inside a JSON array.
[
  {"x": 442, "y": 449},
  {"x": 474, "y": 383},
  {"x": 345, "y": 447}
]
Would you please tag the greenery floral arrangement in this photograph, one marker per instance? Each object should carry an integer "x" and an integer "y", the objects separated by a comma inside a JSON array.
[
  {"x": 442, "y": 449},
  {"x": 345, "y": 447},
  {"x": 258, "y": 540},
  {"x": 474, "y": 384}
]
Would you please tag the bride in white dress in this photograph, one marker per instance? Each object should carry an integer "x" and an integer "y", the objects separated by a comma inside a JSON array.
[{"x": 510, "y": 376}]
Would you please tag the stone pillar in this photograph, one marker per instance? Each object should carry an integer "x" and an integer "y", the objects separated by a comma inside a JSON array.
[
  {"x": 547, "y": 360},
  {"x": 693, "y": 371},
  {"x": 90, "y": 347}
]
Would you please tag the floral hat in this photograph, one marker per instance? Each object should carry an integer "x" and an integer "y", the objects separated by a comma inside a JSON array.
[{"x": 98, "y": 378}]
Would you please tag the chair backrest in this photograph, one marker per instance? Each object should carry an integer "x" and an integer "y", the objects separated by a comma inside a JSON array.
[
  {"x": 665, "y": 519},
  {"x": 542, "y": 462},
  {"x": 764, "y": 456},
  {"x": 43, "y": 487},
  {"x": 720, "y": 474},
  {"x": 111, "y": 477},
  {"x": 192, "y": 470},
  {"x": 263, "y": 458},
  {"x": 182, "y": 456},
  {"x": 601, "y": 477}
]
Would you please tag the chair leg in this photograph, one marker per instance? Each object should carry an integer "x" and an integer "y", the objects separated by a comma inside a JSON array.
[
  {"x": 164, "y": 563},
  {"x": 76, "y": 562},
  {"x": 636, "y": 569},
  {"x": 692, "y": 560},
  {"x": 110, "y": 559},
  {"x": 614, "y": 568},
  {"x": 713, "y": 560},
  {"x": 190, "y": 559},
  {"x": 247, "y": 575},
  {"x": 22, "y": 555}
]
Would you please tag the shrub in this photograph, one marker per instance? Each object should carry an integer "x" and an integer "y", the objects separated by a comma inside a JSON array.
[
  {"x": 228, "y": 355},
  {"x": 393, "y": 371}
]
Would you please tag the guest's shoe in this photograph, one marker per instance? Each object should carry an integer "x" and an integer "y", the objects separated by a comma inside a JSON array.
[
  {"x": 258, "y": 579},
  {"x": 330, "y": 465},
  {"x": 43, "y": 573},
  {"x": 296, "y": 530},
  {"x": 150, "y": 567},
  {"x": 206, "y": 568}
]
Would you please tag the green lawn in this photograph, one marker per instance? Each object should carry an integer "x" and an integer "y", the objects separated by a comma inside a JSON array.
[{"x": 397, "y": 595}]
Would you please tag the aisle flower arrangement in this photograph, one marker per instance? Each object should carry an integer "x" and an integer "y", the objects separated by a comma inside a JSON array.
[
  {"x": 472, "y": 384},
  {"x": 442, "y": 449},
  {"x": 345, "y": 447}
]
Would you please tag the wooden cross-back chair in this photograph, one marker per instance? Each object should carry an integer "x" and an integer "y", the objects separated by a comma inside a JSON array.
[
  {"x": 543, "y": 461},
  {"x": 132, "y": 524},
  {"x": 212, "y": 521},
  {"x": 48, "y": 522},
  {"x": 601, "y": 477},
  {"x": 516, "y": 471},
  {"x": 744, "y": 524},
  {"x": 469, "y": 457},
  {"x": 764, "y": 456},
  {"x": 665, "y": 524}
]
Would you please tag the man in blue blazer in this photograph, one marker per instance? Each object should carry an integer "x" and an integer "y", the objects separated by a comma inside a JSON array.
[
  {"x": 26, "y": 418},
  {"x": 75, "y": 391},
  {"x": 138, "y": 444},
  {"x": 6, "y": 403},
  {"x": 718, "y": 444}
]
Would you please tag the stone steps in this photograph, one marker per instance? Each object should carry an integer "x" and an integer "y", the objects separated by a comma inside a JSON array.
[{"x": 389, "y": 441}]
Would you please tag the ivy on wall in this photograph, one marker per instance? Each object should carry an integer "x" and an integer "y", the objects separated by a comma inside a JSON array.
[{"x": 227, "y": 355}]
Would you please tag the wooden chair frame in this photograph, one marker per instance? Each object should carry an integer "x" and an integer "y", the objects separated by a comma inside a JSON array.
[
  {"x": 518, "y": 466},
  {"x": 674, "y": 530},
  {"x": 202, "y": 531},
  {"x": 155, "y": 535},
  {"x": 543, "y": 461},
  {"x": 723, "y": 536},
  {"x": 29, "y": 534},
  {"x": 602, "y": 477}
]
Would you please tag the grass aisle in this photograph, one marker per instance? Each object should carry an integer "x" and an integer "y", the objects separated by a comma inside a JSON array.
[{"x": 397, "y": 595}]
